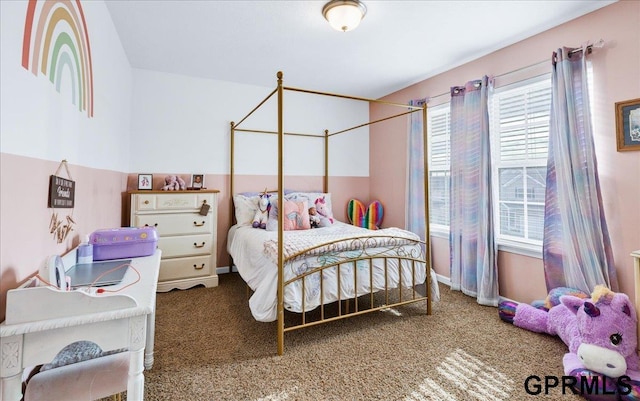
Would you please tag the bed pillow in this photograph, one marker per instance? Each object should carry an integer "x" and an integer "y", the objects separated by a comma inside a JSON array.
[
  {"x": 320, "y": 200},
  {"x": 246, "y": 206},
  {"x": 296, "y": 216}
]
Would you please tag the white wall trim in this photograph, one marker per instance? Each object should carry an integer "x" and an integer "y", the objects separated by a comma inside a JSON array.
[
  {"x": 443, "y": 279},
  {"x": 225, "y": 269}
]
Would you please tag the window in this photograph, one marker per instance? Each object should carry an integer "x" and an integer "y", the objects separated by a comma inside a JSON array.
[
  {"x": 520, "y": 137},
  {"x": 439, "y": 170}
]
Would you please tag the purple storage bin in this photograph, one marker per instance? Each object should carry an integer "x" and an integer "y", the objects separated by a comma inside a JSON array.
[{"x": 124, "y": 242}]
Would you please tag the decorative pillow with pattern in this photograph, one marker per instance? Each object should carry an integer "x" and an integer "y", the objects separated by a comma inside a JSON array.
[
  {"x": 369, "y": 217},
  {"x": 320, "y": 200},
  {"x": 296, "y": 216}
]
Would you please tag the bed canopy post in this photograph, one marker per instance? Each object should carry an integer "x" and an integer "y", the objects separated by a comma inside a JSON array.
[
  {"x": 231, "y": 174},
  {"x": 326, "y": 161},
  {"x": 232, "y": 212},
  {"x": 427, "y": 231},
  {"x": 280, "y": 219}
]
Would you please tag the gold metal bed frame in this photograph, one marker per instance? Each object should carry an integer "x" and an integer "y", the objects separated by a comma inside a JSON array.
[{"x": 398, "y": 244}]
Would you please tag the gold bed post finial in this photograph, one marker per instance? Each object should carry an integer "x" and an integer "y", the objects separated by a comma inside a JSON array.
[{"x": 279, "y": 75}]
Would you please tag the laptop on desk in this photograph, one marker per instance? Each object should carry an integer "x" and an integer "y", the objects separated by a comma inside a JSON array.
[{"x": 98, "y": 274}]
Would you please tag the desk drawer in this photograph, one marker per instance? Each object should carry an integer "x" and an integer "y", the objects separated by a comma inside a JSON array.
[
  {"x": 187, "y": 245},
  {"x": 172, "y": 269},
  {"x": 177, "y": 224}
]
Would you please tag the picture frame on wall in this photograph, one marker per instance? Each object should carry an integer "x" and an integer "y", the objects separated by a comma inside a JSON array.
[
  {"x": 628, "y": 125},
  {"x": 145, "y": 182},
  {"x": 197, "y": 181}
]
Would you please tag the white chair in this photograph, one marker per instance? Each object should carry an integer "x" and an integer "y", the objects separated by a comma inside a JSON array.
[{"x": 87, "y": 380}]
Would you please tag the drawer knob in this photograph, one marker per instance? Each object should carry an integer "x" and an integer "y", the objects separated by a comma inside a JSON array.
[
  {"x": 198, "y": 246},
  {"x": 198, "y": 267},
  {"x": 146, "y": 202},
  {"x": 195, "y": 223},
  {"x": 155, "y": 225}
]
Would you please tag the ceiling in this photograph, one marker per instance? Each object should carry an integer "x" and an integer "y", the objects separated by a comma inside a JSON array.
[{"x": 397, "y": 44}]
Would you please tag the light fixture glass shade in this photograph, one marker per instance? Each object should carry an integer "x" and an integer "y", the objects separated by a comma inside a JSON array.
[{"x": 344, "y": 15}]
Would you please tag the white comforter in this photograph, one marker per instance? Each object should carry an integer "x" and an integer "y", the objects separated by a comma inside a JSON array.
[{"x": 254, "y": 253}]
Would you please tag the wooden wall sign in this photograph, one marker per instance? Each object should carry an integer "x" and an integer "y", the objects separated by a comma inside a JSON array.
[{"x": 61, "y": 192}]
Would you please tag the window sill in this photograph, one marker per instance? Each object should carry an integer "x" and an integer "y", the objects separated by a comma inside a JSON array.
[
  {"x": 533, "y": 251},
  {"x": 439, "y": 233},
  {"x": 518, "y": 248}
]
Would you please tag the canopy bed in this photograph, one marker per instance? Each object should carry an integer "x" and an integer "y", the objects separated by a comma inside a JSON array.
[{"x": 328, "y": 273}]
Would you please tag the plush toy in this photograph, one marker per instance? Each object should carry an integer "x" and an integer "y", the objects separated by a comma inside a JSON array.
[
  {"x": 174, "y": 183},
  {"x": 601, "y": 335},
  {"x": 261, "y": 216},
  {"x": 326, "y": 217},
  {"x": 314, "y": 218}
]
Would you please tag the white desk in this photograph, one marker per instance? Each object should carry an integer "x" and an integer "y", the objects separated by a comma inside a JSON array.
[{"x": 43, "y": 320}]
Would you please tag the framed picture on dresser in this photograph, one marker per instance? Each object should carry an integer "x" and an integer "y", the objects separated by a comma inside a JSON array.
[
  {"x": 145, "y": 181},
  {"x": 197, "y": 181}
]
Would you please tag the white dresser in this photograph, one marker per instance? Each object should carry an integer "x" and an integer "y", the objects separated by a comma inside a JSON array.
[{"x": 187, "y": 237}]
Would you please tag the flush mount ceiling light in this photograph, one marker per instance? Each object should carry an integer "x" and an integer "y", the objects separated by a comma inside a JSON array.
[{"x": 344, "y": 15}]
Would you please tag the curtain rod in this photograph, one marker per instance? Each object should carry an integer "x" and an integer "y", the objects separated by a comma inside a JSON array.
[{"x": 598, "y": 44}]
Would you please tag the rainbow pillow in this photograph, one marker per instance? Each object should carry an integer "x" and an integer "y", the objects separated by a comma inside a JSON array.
[{"x": 369, "y": 217}]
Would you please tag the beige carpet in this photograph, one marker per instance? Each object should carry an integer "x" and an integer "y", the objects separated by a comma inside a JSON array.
[{"x": 208, "y": 347}]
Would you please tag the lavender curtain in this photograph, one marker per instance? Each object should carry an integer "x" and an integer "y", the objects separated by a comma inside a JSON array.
[
  {"x": 415, "y": 173},
  {"x": 471, "y": 237},
  {"x": 576, "y": 245},
  {"x": 415, "y": 182}
]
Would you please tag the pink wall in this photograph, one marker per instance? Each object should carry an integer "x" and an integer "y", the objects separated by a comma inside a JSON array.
[
  {"x": 387, "y": 162},
  {"x": 617, "y": 71},
  {"x": 26, "y": 241}
]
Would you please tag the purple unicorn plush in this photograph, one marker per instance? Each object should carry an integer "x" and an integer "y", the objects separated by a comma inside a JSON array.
[{"x": 600, "y": 333}]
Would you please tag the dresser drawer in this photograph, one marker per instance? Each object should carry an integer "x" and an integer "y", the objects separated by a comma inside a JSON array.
[
  {"x": 186, "y": 245},
  {"x": 171, "y": 201},
  {"x": 177, "y": 223},
  {"x": 171, "y": 269}
]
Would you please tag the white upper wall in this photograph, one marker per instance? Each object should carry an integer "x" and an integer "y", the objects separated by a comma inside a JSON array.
[
  {"x": 146, "y": 121},
  {"x": 40, "y": 122},
  {"x": 181, "y": 125}
]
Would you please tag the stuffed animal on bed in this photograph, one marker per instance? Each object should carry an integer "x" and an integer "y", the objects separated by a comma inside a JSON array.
[
  {"x": 314, "y": 218},
  {"x": 261, "y": 216},
  {"x": 173, "y": 183},
  {"x": 601, "y": 335},
  {"x": 326, "y": 217}
]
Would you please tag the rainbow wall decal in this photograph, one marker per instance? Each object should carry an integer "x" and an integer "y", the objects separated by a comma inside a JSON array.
[{"x": 56, "y": 40}]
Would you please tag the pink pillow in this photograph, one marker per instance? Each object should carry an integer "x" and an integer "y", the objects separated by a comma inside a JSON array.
[{"x": 296, "y": 216}]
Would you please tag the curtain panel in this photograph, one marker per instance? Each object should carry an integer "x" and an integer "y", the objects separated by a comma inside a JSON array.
[
  {"x": 415, "y": 172},
  {"x": 576, "y": 245},
  {"x": 471, "y": 237}
]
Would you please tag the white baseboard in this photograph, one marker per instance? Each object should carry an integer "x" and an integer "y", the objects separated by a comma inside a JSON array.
[
  {"x": 225, "y": 269},
  {"x": 443, "y": 279},
  {"x": 447, "y": 281}
]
